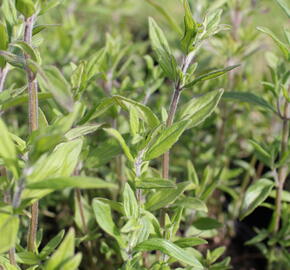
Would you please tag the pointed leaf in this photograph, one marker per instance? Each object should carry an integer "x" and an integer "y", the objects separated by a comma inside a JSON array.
[
  {"x": 211, "y": 75},
  {"x": 255, "y": 195},
  {"x": 165, "y": 197},
  {"x": 170, "y": 249},
  {"x": 168, "y": 137},
  {"x": 162, "y": 50}
]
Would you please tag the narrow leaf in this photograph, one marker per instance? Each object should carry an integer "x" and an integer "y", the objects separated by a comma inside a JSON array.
[
  {"x": 255, "y": 195},
  {"x": 170, "y": 249}
]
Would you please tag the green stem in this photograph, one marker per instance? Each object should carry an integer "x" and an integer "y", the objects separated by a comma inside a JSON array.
[
  {"x": 33, "y": 124},
  {"x": 282, "y": 173}
]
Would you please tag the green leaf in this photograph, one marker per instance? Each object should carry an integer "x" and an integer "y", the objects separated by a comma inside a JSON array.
[
  {"x": 168, "y": 137},
  {"x": 8, "y": 230},
  {"x": 165, "y": 14},
  {"x": 170, "y": 249},
  {"x": 255, "y": 195},
  {"x": 60, "y": 163},
  {"x": 143, "y": 112},
  {"x": 104, "y": 218},
  {"x": 26, "y": 48},
  {"x": 190, "y": 242},
  {"x": 82, "y": 182},
  {"x": 25, "y": 7},
  {"x": 51, "y": 80},
  {"x": 282, "y": 46},
  {"x": 200, "y": 108},
  {"x": 6, "y": 264},
  {"x": 101, "y": 108},
  {"x": 165, "y": 197},
  {"x": 22, "y": 99},
  {"x": 131, "y": 207},
  {"x": 118, "y": 136},
  {"x": 211, "y": 75},
  {"x": 206, "y": 223},
  {"x": 249, "y": 98},
  {"x": 134, "y": 121},
  {"x": 262, "y": 153},
  {"x": 154, "y": 183},
  {"x": 27, "y": 257},
  {"x": 190, "y": 29},
  {"x": 4, "y": 40},
  {"x": 51, "y": 245},
  {"x": 7, "y": 147},
  {"x": 192, "y": 203},
  {"x": 81, "y": 131},
  {"x": 63, "y": 253},
  {"x": 162, "y": 50},
  {"x": 284, "y": 6}
]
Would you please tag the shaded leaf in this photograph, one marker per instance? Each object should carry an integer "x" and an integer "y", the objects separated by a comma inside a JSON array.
[{"x": 255, "y": 195}]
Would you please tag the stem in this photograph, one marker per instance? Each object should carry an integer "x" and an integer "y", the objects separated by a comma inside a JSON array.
[
  {"x": 3, "y": 74},
  {"x": 33, "y": 124},
  {"x": 170, "y": 119},
  {"x": 282, "y": 173}
]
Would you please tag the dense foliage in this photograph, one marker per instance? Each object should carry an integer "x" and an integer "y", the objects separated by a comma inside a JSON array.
[{"x": 144, "y": 134}]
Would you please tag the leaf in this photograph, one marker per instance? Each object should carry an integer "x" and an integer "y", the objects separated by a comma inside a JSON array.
[
  {"x": 60, "y": 163},
  {"x": 206, "y": 223},
  {"x": 63, "y": 253},
  {"x": 190, "y": 242},
  {"x": 154, "y": 183},
  {"x": 4, "y": 39},
  {"x": 262, "y": 153},
  {"x": 27, "y": 257},
  {"x": 165, "y": 14},
  {"x": 104, "y": 218},
  {"x": 192, "y": 203},
  {"x": 25, "y": 7},
  {"x": 52, "y": 81},
  {"x": 282, "y": 46},
  {"x": 118, "y": 136},
  {"x": 168, "y": 137},
  {"x": 256, "y": 194},
  {"x": 161, "y": 48},
  {"x": 211, "y": 75},
  {"x": 170, "y": 249},
  {"x": 81, "y": 182},
  {"x": 81, "y": 131},
  {"x": 51, "y": 245},
  {"x": 26, "y": 48},
  {"x": 39, "y": 28},
  {"x": 200, "y": 108},
  {"x": 7, "y": 147},
  {"x": 101, "y": 108},
  {"x": 249, "y": 98},
  {"x": 190, "y": 29},
  {"x": 165, "y": 197},
  {"x": 143, "y": 112},
  {"x": 22, "y": 99},
  {"x": 134, "y": 121},
  {"x": 8, "y": 230},
  {"x": 284, "y": 6},
  {"x": 131, "y": 207}
]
